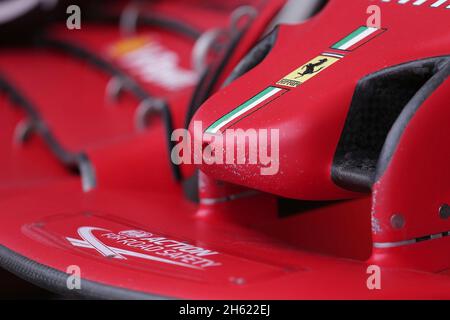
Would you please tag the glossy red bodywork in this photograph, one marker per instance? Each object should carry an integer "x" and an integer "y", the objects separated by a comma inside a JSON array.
[
  {"x": 322, "y": 252},
  {"x": 311, "y": 117}
]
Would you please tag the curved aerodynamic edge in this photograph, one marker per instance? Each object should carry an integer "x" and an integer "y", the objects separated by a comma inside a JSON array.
[
  {"x": 383, "y": 103},
  {"x": 56, "y": 281},
  {"x": 127, "y": 82},
  {"x": 254, "y": 57},
  {"x": 407, "y": 114},
  {"x": 35, "y": 124}
]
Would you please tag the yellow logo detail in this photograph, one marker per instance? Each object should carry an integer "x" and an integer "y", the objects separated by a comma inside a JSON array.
[
  {"x": 307, "y": 71},
  {"x": 128, "y": 45}
]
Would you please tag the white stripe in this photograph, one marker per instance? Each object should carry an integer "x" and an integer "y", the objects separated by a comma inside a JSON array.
[
  {"x": 403, "y": 1},
  {"x": 79, "y": 243},
  {"x": 232, "y": 197},
  {"x": 332, "y": 55},
  {"x": 419, "y": 2},
  {"x": 249, "y": 107},
  {"x": 436, "y": 236},
  {"x": 382, "y": 245},
  {"x": 438, "y": 3},
  {"x": 358, "y": 38}
]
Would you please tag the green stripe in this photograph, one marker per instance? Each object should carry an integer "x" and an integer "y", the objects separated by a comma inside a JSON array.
[
  {"x": 349, "y": 37},
  {"x": 242, "y": 106}
]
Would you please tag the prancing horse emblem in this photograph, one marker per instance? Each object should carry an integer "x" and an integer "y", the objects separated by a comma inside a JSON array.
[{"x": 310, "y": 68}]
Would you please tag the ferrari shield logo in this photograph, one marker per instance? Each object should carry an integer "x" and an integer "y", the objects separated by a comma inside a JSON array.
[{"x": 309, "y": 70}]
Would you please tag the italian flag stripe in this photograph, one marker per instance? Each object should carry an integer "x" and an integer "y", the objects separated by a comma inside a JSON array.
[
  {"x": 261, "y": 98},
  {"x": 355, "y": 38}
]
